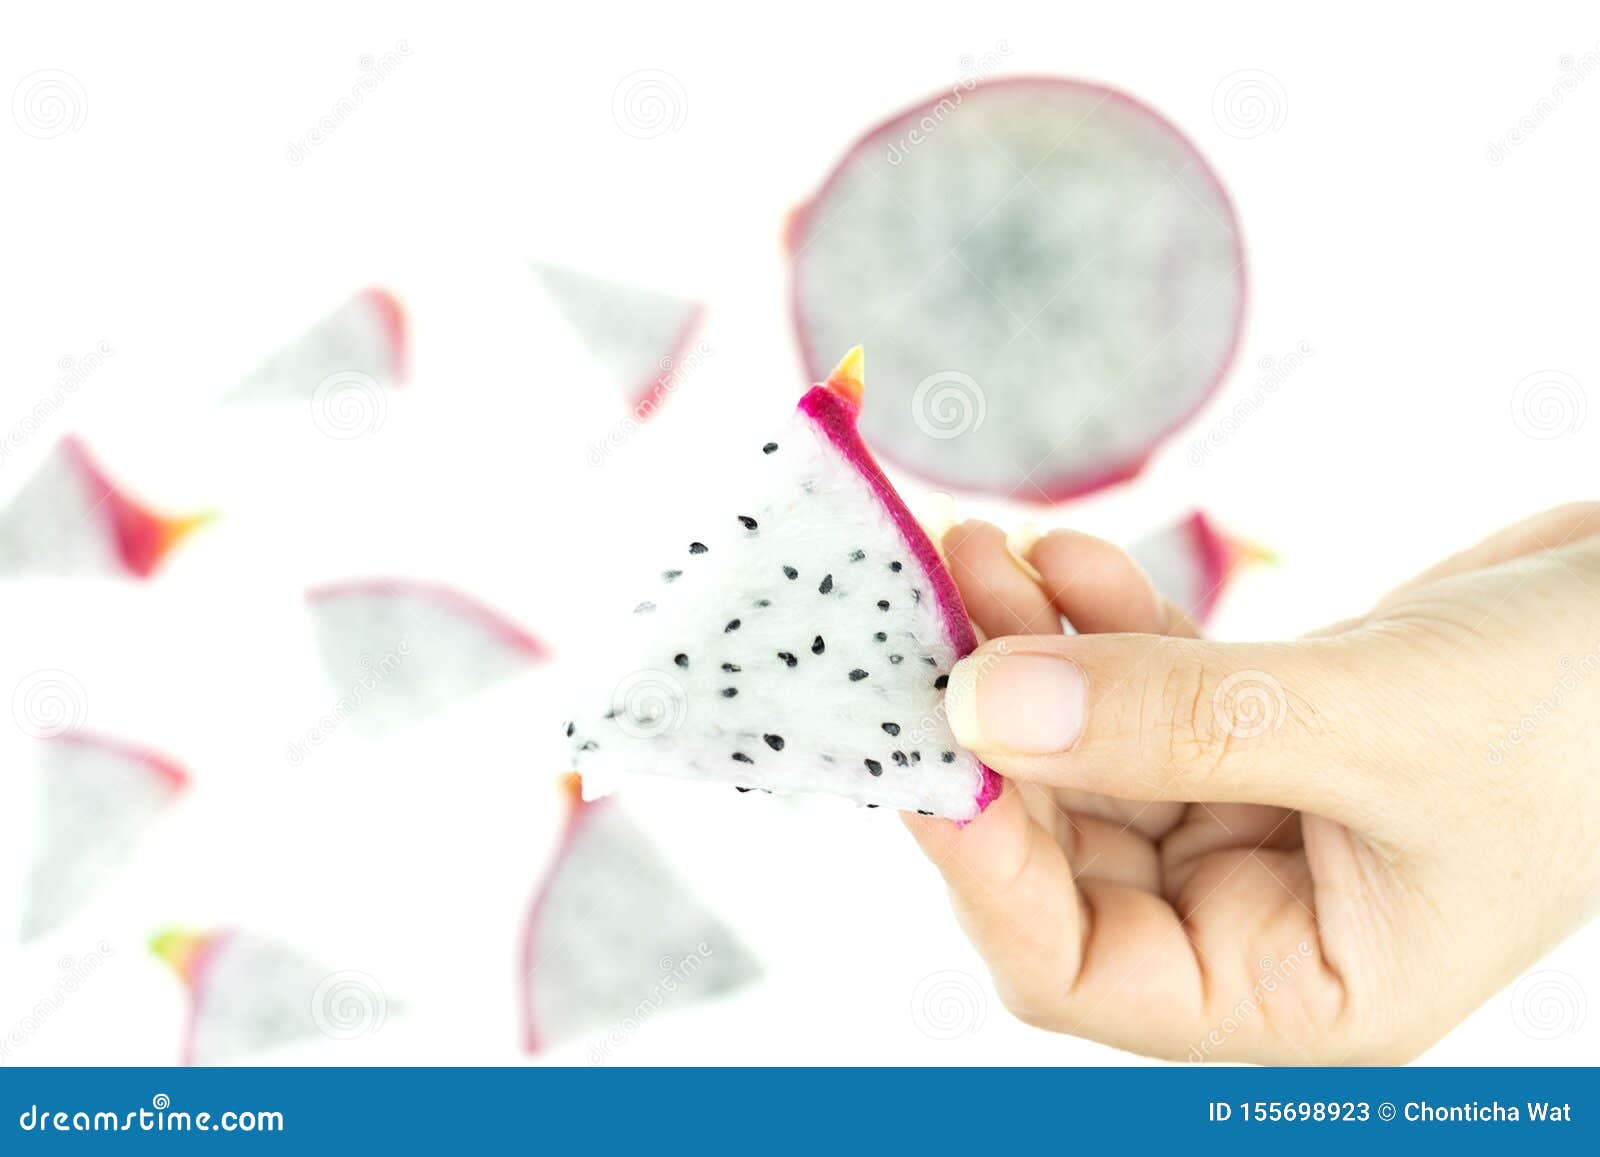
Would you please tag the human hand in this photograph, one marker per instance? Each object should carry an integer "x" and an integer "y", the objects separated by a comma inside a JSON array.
[{"x": 1321, "y": 851}]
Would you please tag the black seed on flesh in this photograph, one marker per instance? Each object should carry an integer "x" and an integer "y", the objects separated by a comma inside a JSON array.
[
  {"x": 895, "y": 566},
  {"x": 897, "y": 659},
  {"x": 763, "y": 603},
  {"x": 774, "y": 741},
  {"x": 857, "y": 675},
  {"x": 825, "y": 585},
  {"x": 788, "y": 658},
  {"x": 948, "y": 756},
  {"x": 681, "y": 660},
  {"x": 883, "y": 604},
  {"x": 930, "y": 660},
  {"x": 880, "y": 636},
  {"x": 733, "y": 625},
  {"x": 769, "y": 447},
  {"x": 920, "y": 812},
  {"x": 612, "y": 714},
  {"x": 857, "y": 555},
  {"x": 669, "y": 575},
  {"x": 749, "y": 523},
  {"x": 742, "y": 789},
  {"x": 698, "y": 548},
  {"x": 741, "y": 757},
  {"x": 588, "y": 745},
  {"x": 941, "y": 682},
  {"x": 916, "y": 757},
  {"x": 644, "y": 607},
  {"x": 729, "y": 692},
  {"x": 874, "y": 766},
  {"x": 892, "y": 728},
  {"x": 900, "y": 758},
  {"x": 569, "y": 731},
  {"x": 818, "y": 646},
  {"x": 730, "y": 667},
  {"x": 790, "y": 573}
]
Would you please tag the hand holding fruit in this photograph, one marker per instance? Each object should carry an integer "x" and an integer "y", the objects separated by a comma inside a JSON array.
[{"x": 1317, "y": 851}]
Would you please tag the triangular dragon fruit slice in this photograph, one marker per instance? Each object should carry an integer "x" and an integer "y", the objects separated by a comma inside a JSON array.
[
  {"x": 248, "y": 994},
  {"x": 1049, "y": 275},
  {"x": 802, "y": 641},
  {"x": 638, "y": 336},
  {"x": 613, "y": 936},
  {"x": 96, "y": 799},
  {"x": 365, "y": 336},
  {"x": 1191, "y": 562},
  {"x": 398, "y": 650},
  {"x": 69, "y": 519}
]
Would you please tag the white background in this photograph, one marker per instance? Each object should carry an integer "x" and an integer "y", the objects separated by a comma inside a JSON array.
[{"x": 171, "y": 224}]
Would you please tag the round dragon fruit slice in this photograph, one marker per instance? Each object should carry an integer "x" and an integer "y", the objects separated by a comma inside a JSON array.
[
  {"x": 70, "y": 519},
  {"x": 1050, "y": 276},
  {"x": 399, "y": 650},
  {"x": 366, "y": 337},
  {"x": 612, "y": 928},
  {"x": 1191, "y": 562},
  {"x": 97, "y": 797},
  {"x": 801, "y": 642},
  {"x": 638, "y": 336}
]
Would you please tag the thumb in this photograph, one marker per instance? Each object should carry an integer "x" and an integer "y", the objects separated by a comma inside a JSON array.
[{"x": 1150, "y": 717}]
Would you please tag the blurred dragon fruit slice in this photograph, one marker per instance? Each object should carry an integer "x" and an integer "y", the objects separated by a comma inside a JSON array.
[
  {"x": 400, "y": 651},
  {"x": 70, "y": 519},
  {"x": 1049, "y": 275},
  {"x": 801, "y": 642},
  {"x": 1191, "y": 561},
  {"x": 248, "y": 994},
  {"x": 638, "y": 336},
  {"x": 364, "y": 339},
  {"x": 97, "y": 797},
  {"x": 613, "y": 930}
]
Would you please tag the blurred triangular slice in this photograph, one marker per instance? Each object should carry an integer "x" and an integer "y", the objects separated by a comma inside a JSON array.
[
  {"x": 69, "y": 518},
  {"x": 398, "y": 650},
  {"x": 366, "y": 335},
  {"x": 97, "y": 797},
  {"x": 248, "y": 994},
  {"x": 613, "y": 930},
  {"x": 638, "y": 336},
  {"x": 1191, "y": 562}
]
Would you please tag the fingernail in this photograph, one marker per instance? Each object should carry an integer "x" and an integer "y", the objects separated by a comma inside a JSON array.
[
  {"x": 1019, "y": 543},
  {"x": 1029, "y": 704}
]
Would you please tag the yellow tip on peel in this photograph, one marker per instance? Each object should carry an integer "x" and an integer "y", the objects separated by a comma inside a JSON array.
[
  {"x": 848, "y": 379},
  {"x": 178, "y": 948},
  {"x": 175, "y": 530},
  {"x": 1246, "y": 551}
]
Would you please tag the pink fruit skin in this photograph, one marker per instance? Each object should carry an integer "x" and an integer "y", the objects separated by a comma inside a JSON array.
[
  {"x": 176, "y": 778},
  {"x": 1070, "y": 486},
  {"x": 836, "y": 416},
  {"x": 1212, "y": 550},
  {"x": 463, "y": 604},
  {"x": 576, "y": 818},
  {"x": 393, "y": 316},
  {"x": 649, "y": 390},
  {"x": 196, "y": 983},
  {"x": 140, "y": 536}
]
